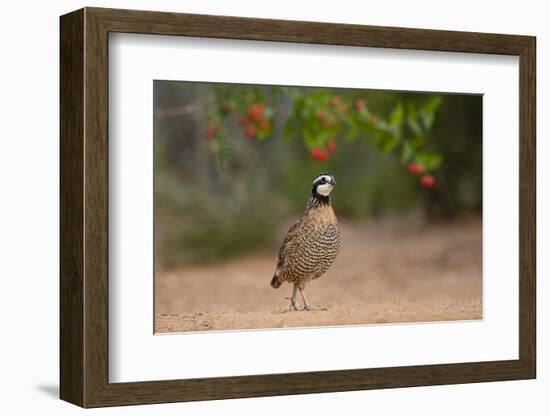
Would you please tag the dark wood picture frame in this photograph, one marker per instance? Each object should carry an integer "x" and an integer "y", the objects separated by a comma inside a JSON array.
[{"x": 84, "y": 207}]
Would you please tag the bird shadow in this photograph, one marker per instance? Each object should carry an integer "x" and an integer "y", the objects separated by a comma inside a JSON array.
[{"x": 51, "y": 390}]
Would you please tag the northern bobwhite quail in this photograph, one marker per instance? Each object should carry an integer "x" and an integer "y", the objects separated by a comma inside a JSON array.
[{"x": 311, "y": 244}]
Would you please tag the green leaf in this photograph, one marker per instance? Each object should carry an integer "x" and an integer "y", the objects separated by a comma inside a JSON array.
[
  {"x": 427, "y": 119},
  {"x": 397, "y": 115},
  {"x": 433, "y": 104},
  {"x": 417, "y": 142},
  {"x": 411, "y": 109},
  {"x": 428, "y": 110},
  {"x": 262, "y": 135},
  {"x": 352, "y": 133},
  {"x": 407, "y": 152},
  {"x": 385, "y": 142},
  {"x": 415, "y": 127},
  {"x": 390, "y": 144},
  {"x": 291, "y": 128},
  {"x": 429, "y": 160},
  {"x": 311, "y": 139}
]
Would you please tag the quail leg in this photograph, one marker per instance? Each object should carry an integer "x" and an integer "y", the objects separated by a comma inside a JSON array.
[
  {"x": 293, "y": 299},
  {"x": 307, "y": 305}
]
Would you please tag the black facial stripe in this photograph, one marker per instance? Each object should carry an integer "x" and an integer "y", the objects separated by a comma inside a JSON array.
[
  {"x": 321, "y": 179},
  {"x": 324, "y": 178}
]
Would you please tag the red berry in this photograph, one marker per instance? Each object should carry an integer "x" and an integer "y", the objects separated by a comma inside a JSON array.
[
  {"x": 415, "y": 168},
  {"x": 331, "y": 145},
  {"x": 427, "y": 181},
  {"x": 319, "y": 154},
  {"x": 250, "y": 132},
  {"x": 337, "y": 102},
  {"x": 211, "y": 131},
  {"x": 360, "y": 104},
  {"x": 256, "y": 111}
]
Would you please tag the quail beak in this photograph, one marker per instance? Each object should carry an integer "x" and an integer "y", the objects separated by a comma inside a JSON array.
[{"x": 332, "y": 181}]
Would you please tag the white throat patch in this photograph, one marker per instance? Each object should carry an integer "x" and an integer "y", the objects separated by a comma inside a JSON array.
[{"x": 324, "y": 189}]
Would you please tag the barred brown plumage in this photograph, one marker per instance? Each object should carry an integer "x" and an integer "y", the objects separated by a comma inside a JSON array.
[{"x": 311, "y": 244}]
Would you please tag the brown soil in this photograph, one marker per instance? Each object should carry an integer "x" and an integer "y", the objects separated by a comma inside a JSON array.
[{"x": 385, "y": 273}]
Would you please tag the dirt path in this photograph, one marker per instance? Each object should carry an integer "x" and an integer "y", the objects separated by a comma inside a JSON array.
[{"x": 384, "y": 273}]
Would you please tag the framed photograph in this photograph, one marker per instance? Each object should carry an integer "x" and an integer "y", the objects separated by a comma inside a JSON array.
[{"x": 255, "y": 207}]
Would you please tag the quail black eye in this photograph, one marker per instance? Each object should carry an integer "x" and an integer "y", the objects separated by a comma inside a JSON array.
[{"x": 323, "y": 180}]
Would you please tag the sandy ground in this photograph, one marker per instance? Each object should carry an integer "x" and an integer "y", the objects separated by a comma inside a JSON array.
[{"x": 385, "y": 273}]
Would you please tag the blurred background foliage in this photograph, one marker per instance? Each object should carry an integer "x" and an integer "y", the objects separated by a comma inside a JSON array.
[{"x": 234, "y": 163}]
